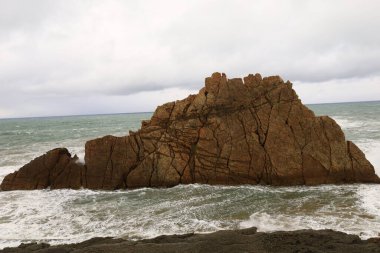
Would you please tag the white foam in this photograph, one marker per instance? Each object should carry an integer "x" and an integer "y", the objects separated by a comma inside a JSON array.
[
  {"x": 363, "y": 225},
  {"x": 369, "y": 199},
  {"x": 268, "y": 223},
  {"x": 349, "y": 123},
  {"x": 372, "y": 152},
  {"x": 80, "y": 156},
  {"x": 5, "y": 170}
]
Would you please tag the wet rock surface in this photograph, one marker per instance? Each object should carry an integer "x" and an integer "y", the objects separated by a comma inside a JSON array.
[
  {"x": 246, "y": 240},
  {"x": 234, "y": 131}
]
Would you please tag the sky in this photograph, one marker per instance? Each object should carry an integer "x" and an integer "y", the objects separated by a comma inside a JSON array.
[{"x": 69, "y": 57}]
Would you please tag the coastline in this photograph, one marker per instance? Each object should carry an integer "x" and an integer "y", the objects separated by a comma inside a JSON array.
[
  {"x": 189, "y": 127},
  {"x": 244, "y": 240}
]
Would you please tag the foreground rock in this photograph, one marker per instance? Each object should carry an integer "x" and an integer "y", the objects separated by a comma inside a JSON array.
[
  {"x": 234, "y": 131},
  {"x": 247, "y": 240}
]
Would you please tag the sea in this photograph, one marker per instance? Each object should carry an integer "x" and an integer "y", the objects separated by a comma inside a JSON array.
[{"x": 69, "y": 216}]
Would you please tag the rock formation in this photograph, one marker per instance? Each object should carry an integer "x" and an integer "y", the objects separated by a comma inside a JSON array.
[
  {"x": 55, "y": 169},
  {"x": 225, "y": 241},
  {"x": 234, "y": 131}
]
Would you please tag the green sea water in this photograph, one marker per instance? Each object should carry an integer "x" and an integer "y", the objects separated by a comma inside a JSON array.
[{"x": 63, "y": 216}]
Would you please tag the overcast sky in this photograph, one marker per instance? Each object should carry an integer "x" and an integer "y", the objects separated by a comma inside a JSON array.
[{"x": 87, "y": 57}]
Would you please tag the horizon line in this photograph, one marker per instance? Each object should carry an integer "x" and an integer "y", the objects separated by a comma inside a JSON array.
[{"x": 118, "y": 113}]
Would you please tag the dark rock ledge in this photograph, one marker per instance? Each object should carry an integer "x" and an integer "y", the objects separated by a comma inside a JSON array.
[
  {"x": 234, "y": 131},
  {"x": 246, "y": 240}
]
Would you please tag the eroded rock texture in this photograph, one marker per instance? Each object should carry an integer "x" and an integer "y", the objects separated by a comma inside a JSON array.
[{"x": 234, "y": 131}]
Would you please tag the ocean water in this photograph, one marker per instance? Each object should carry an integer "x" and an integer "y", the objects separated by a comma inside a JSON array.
[{"x": 63, "y": 216}]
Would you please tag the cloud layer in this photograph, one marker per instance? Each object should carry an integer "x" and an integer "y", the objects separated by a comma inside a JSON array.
[{"x": 77, "y": 57}]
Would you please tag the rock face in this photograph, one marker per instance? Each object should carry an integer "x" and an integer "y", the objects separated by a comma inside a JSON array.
[{"x": 234, "y": 131}]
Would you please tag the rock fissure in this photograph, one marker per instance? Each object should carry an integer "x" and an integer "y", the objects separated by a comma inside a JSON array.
[
  {"x": 329, "y": 148},
  {"x": 351, "y": 159},
  {"x": 247, "y": 142}
]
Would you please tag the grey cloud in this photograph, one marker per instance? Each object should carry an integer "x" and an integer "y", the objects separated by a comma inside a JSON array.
[
  {"x": 20, "y": 14},
  {"x": 107, "y": 48}
]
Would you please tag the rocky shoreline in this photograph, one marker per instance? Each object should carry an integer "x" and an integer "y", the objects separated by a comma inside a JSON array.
[{"x": 244, "y": 240}]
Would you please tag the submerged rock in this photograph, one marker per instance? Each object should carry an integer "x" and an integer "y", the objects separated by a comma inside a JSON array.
[{"x": 234, "y": 131}]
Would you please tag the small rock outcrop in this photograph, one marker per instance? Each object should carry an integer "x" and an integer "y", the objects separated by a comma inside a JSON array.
[
  {"x": 234, "y": 131},
  {"x": 55, "y": 169}
]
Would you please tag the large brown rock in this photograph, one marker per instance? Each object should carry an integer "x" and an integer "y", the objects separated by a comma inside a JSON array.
[
  {"x": 55, "y": 169},
  {"x": 234, "y": 131}
]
